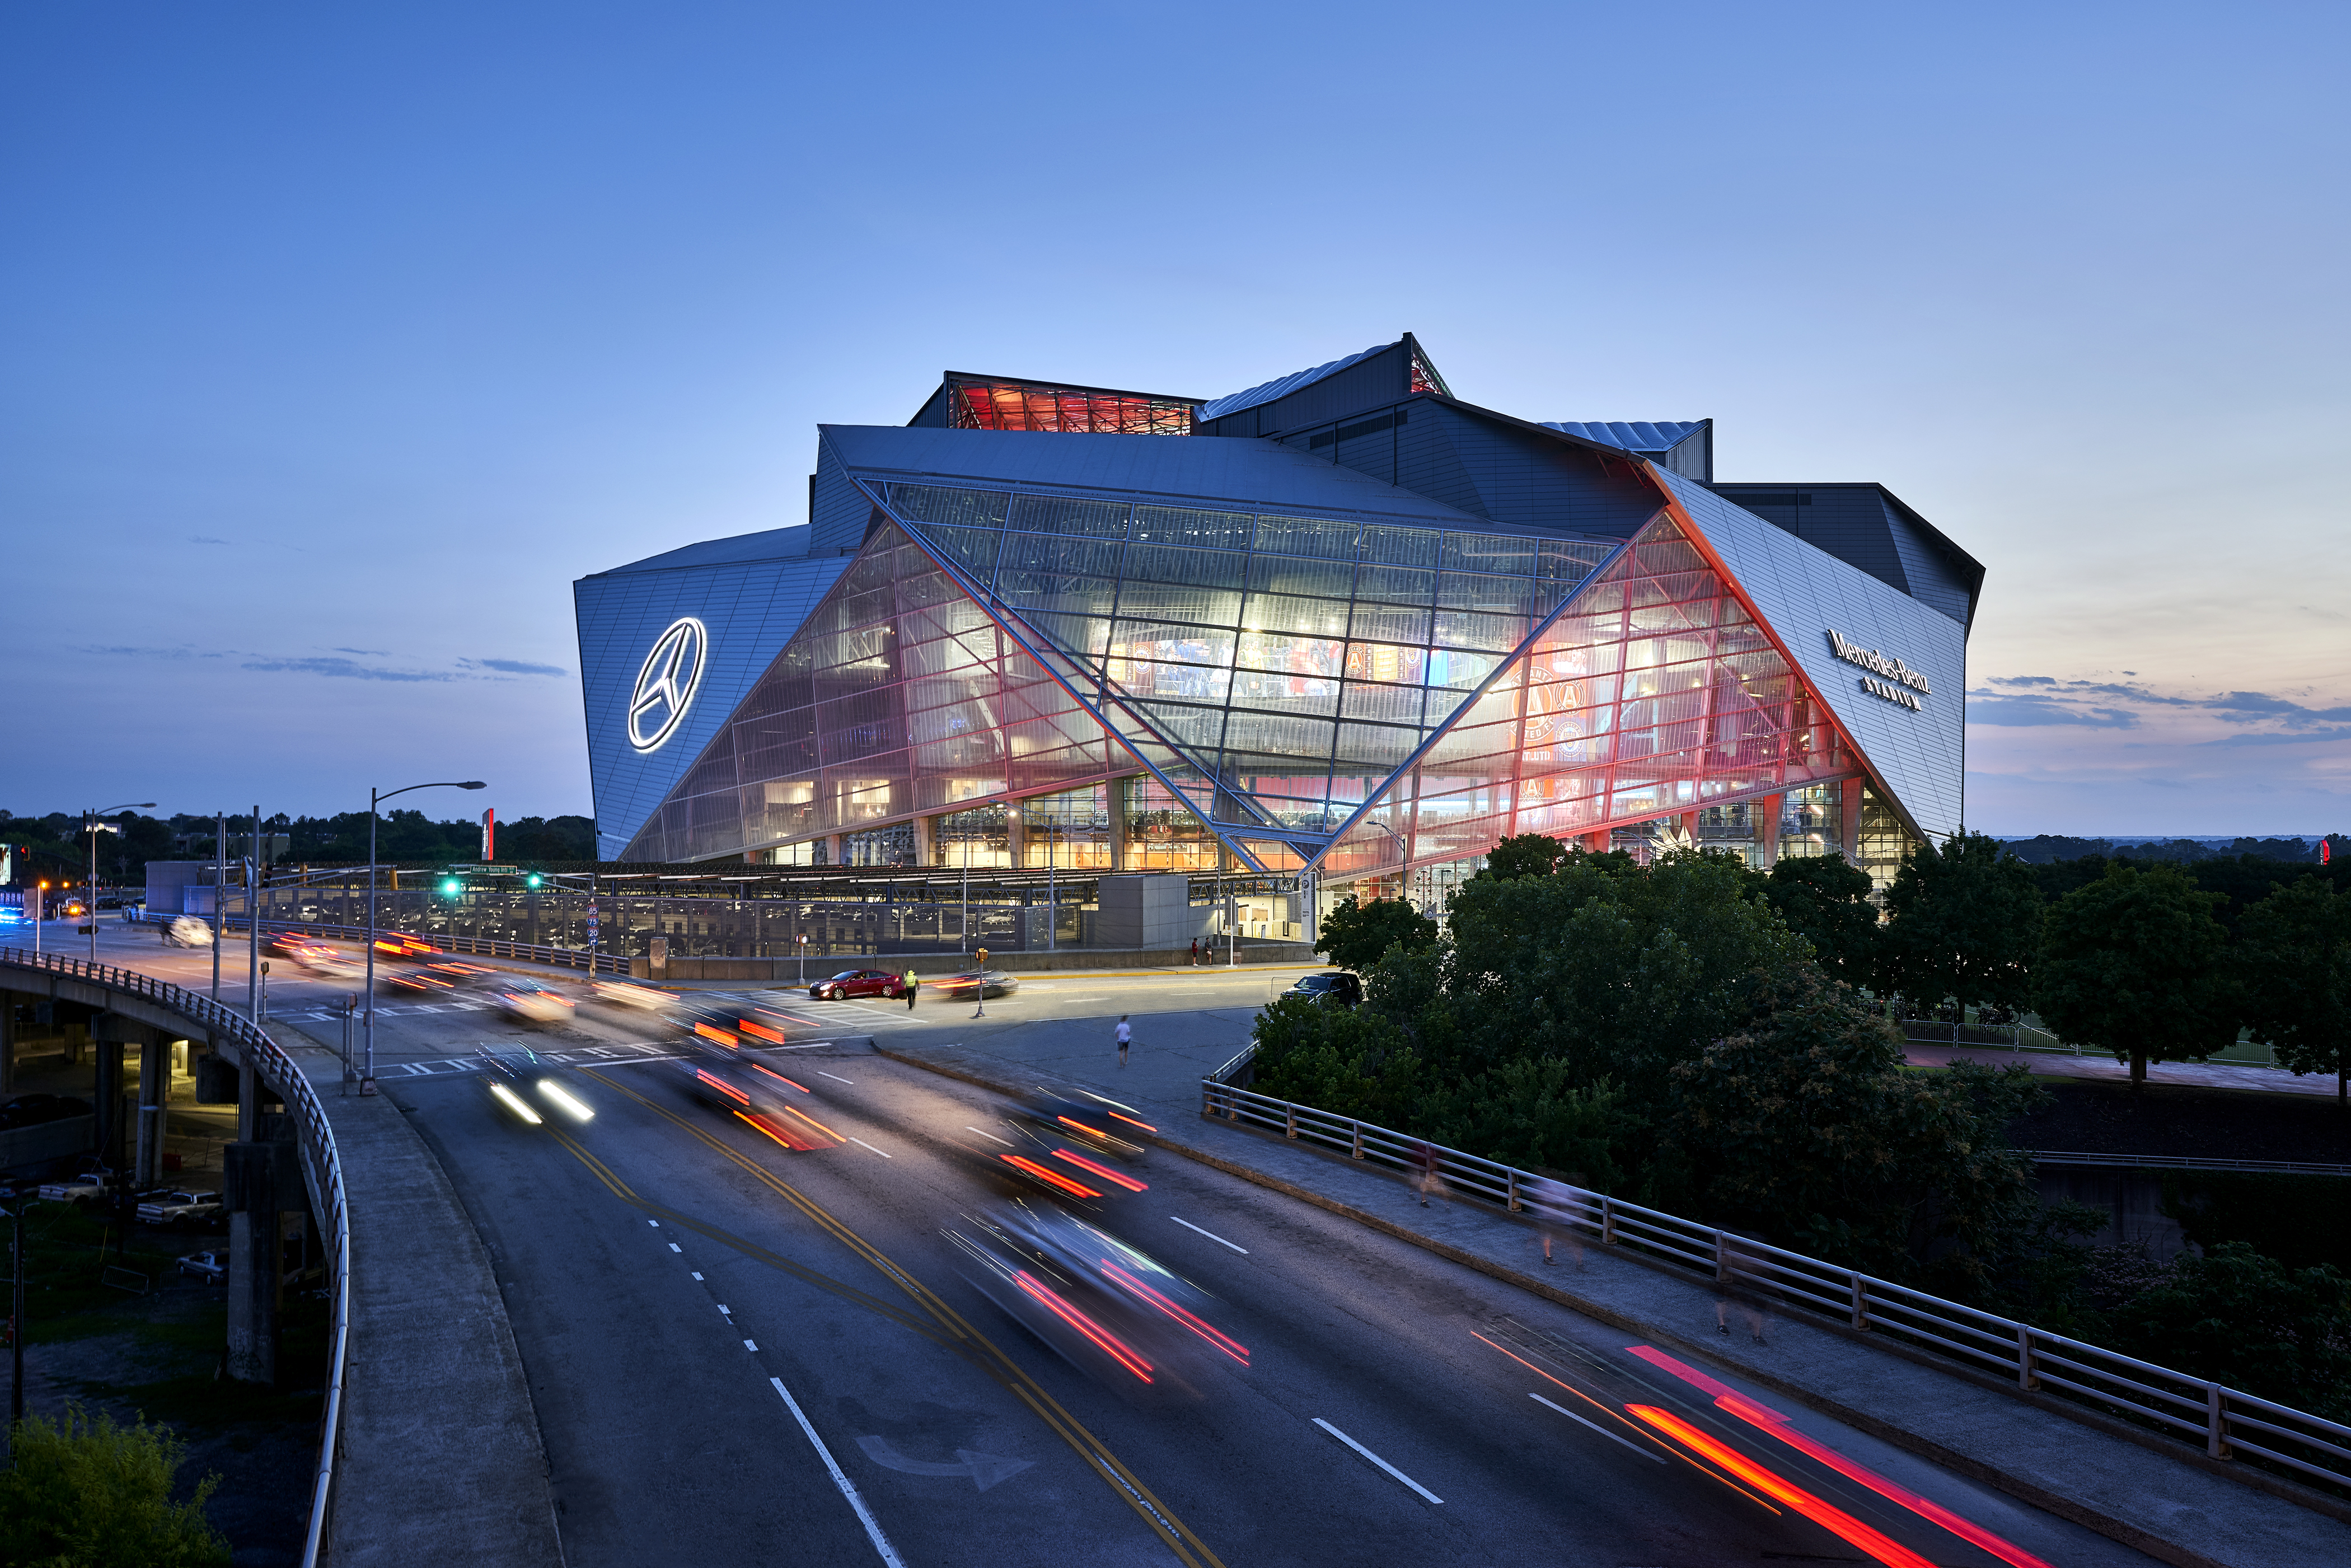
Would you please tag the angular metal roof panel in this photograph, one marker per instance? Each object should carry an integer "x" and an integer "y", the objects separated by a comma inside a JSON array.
[
  {"x": 1283, "y": 386},
  {"x": 768, "y": 544},
  {"x": 1247, "y": 475},
  {"x": 1631, "y": 435}
]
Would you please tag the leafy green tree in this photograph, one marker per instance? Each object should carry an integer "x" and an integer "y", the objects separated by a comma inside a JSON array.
[
  {"x": 1527, "y": 854},
  {"x": 1963, "y": 924},
  {"x": 2135, "y": 963},
  {"x": 1825, "y": 901},
  {"x": 1804, "y": 1128},
  {"x": 2295, "y": 967},
  {"x": 1355, "y": 935},
  {"x": 2240, "y": 1318},
  {"x": 87, "y": 1493}
]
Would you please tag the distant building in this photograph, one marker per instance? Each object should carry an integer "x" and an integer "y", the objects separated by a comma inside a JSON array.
[{"x": 1343, "y": 622}]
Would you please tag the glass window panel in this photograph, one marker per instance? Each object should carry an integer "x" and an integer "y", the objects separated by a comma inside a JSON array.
[
  {"x": 1192, "y": 683},
  {"x": 1499, "y": 741},
  {"x": 944, "y": 507},
  {"x": 1386, "y": 623},
  {"x": 1396, "y": 585},
  {"x": 1387, "y": 663},
  {"x": 1674, "y": 554},
  {"x": 1377, "y": 744},
  {"x": 1052, "y": 552},
  {"x": 1400, "y": 547},
  {"x": 1196, "y": 568},
  {"x": 1279, "y": 612},
  {"x": 1387, "y": 704},
  {"x": 1057, "y": 593},
  {"x": 1570, "y": 561},
  {"x": 1197, "y": 729},
  {"x": 1069, "y": 514},
  {"x": 1503, "y": 553},
  {"x": 1450, "y": 667},
  {"x": 1184, "y": 525},
  {"x": 1165, "y": 642},
  {"x": 1306, "y": 535},
  {"x": 1493, "y": 595},
  {"x": 1083, "y": 638},
  {"x": 1175, "y": 602},
  {"x": 1466, "y": 629},
  {"x": 1282, "y": 574},
  {"x": 1278, "y": 735},
  {"x": 969, "y": 548}
]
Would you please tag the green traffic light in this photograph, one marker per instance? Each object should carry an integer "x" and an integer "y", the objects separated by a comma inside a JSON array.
[
  {"x": 450, "y": 887},
  {"x": 533, "y": 878}
]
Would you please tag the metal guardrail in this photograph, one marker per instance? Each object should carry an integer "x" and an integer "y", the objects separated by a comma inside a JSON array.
[
  {"x": 476, "y": 947},
  {"x": 2228, "y": 1422},
  {"x": 2183, "y": 1163},
  {"x": 322, "y": 1171}
]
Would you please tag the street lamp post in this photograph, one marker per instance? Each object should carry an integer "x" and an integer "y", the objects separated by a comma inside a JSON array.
[
  {"x": 375, "y": 798},
  {"x": 91, "y": 827}
]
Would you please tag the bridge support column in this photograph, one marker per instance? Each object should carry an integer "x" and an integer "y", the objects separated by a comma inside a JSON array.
[
  {"x": 154, "y": 1096},
  {"x": 7, "y": 1042},
  {"x": 255, "y": 1176}
]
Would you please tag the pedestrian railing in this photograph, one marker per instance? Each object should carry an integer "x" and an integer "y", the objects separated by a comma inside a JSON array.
[
  {"x": 474, "y": 946},
  {"x": 2230, "y": 1424},
  {"x": 2183, "y": 1163},
  {"x": 322, "y": 1172}
]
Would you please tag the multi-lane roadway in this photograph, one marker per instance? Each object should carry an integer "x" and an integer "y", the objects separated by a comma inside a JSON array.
[{"x": 741, "y": 1352}]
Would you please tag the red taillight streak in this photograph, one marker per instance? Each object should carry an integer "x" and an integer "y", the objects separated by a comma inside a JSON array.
[
  {"x": 1132, "y": 1122},
  {"x": 723, "y": 1086},
  {"x": 1231, "y": 1347},
  {"x": 1086, "y": 1326},
  {"x": 1547, "y": 1377},
  {"x": 1081, "y": 1126},
  {"x": 1834, "y": 1520},
  {"x": 771, "y": 1132},
  {"x": 1763, "y": 1416},
  {"x": 812, "y": 1122},
  {"x": 1102, "y": 1171},
  {"x": 1064, "y": 1183},
  {"x": 761, "y": 1031},
  {"x": 720, "y": 1035},
  {"x": 778, "y": 1077}
]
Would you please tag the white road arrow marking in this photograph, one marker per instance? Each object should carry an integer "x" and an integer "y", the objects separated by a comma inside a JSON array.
[{"x": 985, "y": 1469}]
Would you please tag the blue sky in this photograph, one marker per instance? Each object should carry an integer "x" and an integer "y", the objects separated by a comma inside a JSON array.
[{"x": 338, "y": 341}]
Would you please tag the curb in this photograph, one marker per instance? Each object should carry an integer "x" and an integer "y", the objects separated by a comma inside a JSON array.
[{"x": 2111, "y": 1525}]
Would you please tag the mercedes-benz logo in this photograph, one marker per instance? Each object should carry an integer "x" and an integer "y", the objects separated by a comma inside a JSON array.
[{"x": 666, "y": 686}]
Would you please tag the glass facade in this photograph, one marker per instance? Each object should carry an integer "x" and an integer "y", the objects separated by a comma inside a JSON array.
[{"x": 976, "y": 404}]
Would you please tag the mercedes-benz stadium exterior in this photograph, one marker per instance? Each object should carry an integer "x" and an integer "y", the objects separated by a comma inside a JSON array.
[{"x": 1342, "y": 625}]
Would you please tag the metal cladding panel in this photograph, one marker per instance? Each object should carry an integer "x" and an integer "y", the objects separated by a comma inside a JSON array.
[
  {"x": 1248, "y": 475},
  {"x": 1849, "y": 521},
  {"x": 1927, "y": 568},
  {"x": 1370, "y": 382},
  {"x": 1534, "y": 481},
  {"x": 769, "y": 544},
  {"x": 748, "y": 610},
  {"x": 1282, "y": 386},
  {"x": 1804, "y": 594},
  {"x": 1648, "y": 436},
  {"x": 838, "y": 509}
]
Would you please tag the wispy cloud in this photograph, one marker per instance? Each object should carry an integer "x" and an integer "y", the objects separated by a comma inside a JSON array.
[
  {"x": 205, "y": 540},
  {"x": 514, "y": 667},
  {"x": 2024, "y": 710},
  {"x": 2045, "y": 699},
  {"x": 367, "y": 652},
  {"x": 346, "y": 669},
  {"x": 131, "y": 652}
]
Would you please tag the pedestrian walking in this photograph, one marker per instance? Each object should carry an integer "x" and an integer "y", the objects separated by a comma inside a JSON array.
[
  {"x": 1427, "y": 1180},
  {"x": 1126, "y": 1037},
  {"x": 1557, "y": 1213},
  {"x": 911, "y": 984},
  {"x": 1195, "y": 952}
]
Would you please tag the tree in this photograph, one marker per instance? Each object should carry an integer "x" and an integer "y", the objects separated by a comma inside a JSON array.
[
  {"x": 1355, "y": 935},
  {"x": 2136, "y": 962},
  {"x": 1964, "y": 923},
  {"x": 2295, "y": 965},
  {"x": 1826, "y": 902},
  {"x": 1528, "y": 854},
  {"x": 87, "y": 1493},
  {"x": 2240, "y": 1318}
]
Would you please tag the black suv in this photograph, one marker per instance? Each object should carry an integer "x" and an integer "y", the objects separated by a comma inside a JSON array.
[{"x": 1331, "y": 989}]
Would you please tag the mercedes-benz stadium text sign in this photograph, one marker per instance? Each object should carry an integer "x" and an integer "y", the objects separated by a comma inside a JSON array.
[
  {"x": 1893, "y": 670},
  {"x": 666, "y": 684}
]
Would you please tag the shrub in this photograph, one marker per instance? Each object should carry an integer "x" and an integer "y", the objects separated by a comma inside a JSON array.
[{"x": 87, "y": 1493}]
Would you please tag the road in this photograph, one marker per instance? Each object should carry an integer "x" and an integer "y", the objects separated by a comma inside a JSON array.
[{"x": 673, "y": 1275}]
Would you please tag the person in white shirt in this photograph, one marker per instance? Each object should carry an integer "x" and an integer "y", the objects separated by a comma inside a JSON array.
[{"x": 1124, "y": 1035}]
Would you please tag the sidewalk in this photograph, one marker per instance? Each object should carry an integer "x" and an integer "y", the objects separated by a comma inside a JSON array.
[
  {"x": 2161, "y": 1497},
  {"x": 2104, "y": 1068}
]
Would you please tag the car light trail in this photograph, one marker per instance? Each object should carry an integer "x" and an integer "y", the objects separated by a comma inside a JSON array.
[
  {"x": 778, "y": 1077},
  {"x": 723, "y": 1086},
  {"x": 514, "y": 1102},
  {"x": 1102, "y": 1171},
  {"x": 1055, "y": 1177},
  {"x": 761, "y": 1031},
  {"x": 812, "y": 1122},
  {"x": 1731, "y": 1402},
  {"x": 1827, "y": 1515},
  {"x": 1132, "y": 1122},
  {"x": 1077, "y": 1320},
  {"x": 571, "y": 1107},
  {"x": 762, "y": 1126},
  {"x": 1231, "y": 1347},
  {"x": 720, "y": 1035}
]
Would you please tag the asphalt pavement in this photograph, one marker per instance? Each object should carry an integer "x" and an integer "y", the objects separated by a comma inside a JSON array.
[{"x": 738, "y": 1351}]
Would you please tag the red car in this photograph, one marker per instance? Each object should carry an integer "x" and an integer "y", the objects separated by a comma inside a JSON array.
[{"x": 859, "y": 983}]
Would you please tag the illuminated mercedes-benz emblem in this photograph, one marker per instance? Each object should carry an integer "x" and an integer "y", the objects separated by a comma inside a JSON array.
[{"x": 666, "y": 686}]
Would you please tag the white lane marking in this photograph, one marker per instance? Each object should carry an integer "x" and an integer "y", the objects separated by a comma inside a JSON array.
[
  {"x": 1596, "y": 1426},
  {"x": 1383, "y": 1464},
  {"x": 697, "y": 1274},
  {"x": 726, "y": 1312},
  {"x": 654, "y": 1223},
  {"x": 676, "y": 1247},
  {"x": 1209, "y": 1234},
  {"x": 864, "y": 1515},
  {"x": 863, "y": 1144},
  {"x": 749, "y": 1346},
  {"x": 1006, "y": 1142},
  {"x": 836, "y": 1077}
]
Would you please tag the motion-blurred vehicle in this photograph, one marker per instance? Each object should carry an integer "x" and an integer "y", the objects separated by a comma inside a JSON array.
[
  {"x": 515, "y": 1074},
  {"x": 329, "y": 962},
  {"x": 188, "y": 931},
  {"x": 752, "y": 1091},
  {"x": 1105, "y": 1305},
  {"x": 531, "y": 1001},
  {"x": 859, "y": 983},
  {"x": 1330, "y": 989},
  {"x": 981, "y": 982},
  {"x": 72, "y": 909},
  {"x": 720, "y": 1019},
  {"x": 179, "y": 1208},
  {"x": 1067, "y": 1150},
  {"x": 402, "y": 947},
  {"x": 629, "y": 994},
  {"x": 212, "y": 1267}
]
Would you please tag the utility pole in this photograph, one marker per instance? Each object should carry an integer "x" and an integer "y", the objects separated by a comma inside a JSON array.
[
  {"x": 220, "y": 896},
  {"x": 253, "y": 923}
]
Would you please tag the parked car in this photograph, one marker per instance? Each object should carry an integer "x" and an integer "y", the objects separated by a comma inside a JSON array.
[
  {"x": 983, "y": 982},
  {"x": 212, "y": 1267},
  {"x": 859, "y": 983},
  {"x": 188, "y": 931},
  {"x": 531, "y": 1001},
  {"x": 87, "y": 1187},
  {"x": 179, "y": 1208},
  {"x": 1330, "y": 989}
]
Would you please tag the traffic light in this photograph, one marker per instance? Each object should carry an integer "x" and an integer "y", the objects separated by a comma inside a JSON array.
[
  {"x": 531, "y": 881},
  {"x": 451, "y": 887}
]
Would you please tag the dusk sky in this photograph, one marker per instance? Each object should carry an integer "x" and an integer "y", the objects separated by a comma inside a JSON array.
[{"x": 339, "y": 340}]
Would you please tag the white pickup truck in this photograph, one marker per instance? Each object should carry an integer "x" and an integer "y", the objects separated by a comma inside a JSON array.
[
  {"x": 179, "y": 1208},
  {"x": 87, "y": 1187}
]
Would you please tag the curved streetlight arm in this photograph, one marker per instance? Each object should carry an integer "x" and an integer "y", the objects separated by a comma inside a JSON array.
[
  {"x": 375, "y": 798},
  {"x": 90, "y": 826}
]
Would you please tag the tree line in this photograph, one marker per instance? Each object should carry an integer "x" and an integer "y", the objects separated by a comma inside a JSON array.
[
  {"x": 53, "y": 845},
  {"x": 1714, "y": 1041}
]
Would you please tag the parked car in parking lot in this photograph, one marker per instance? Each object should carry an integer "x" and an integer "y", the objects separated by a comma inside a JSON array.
[
  {"x": 212, "y": 1267},
  {"x": 1330, "y": 989},
  {"x": 32, "y": 1110},
  {"x": 87, "y": 1187},
  {"x": 859, "y": 983},
  {"x": 179, "y": 1208}
]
